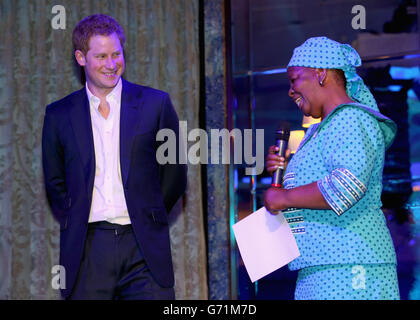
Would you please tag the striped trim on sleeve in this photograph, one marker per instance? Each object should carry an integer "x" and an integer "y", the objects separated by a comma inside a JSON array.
[{"x": 341, "y": 189}]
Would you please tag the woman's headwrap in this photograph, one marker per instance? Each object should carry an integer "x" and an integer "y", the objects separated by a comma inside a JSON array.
[{"x": 322, "y": 52}]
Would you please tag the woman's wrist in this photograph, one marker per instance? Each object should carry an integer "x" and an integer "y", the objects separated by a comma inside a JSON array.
[{"x": 287, "y": 198}]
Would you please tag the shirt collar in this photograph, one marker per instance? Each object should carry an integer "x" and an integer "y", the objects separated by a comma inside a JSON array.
[{"x": 114, "y": 94}]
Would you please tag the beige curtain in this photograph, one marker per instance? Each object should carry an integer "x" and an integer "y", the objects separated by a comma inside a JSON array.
[{"x": 36, "y": 69}]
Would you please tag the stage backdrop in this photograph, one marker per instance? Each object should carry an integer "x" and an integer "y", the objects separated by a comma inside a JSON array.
[{"x": 36, "y": 69}]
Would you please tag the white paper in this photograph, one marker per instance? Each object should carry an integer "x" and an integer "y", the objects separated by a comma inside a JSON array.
[{"x": 265, "y": 242}]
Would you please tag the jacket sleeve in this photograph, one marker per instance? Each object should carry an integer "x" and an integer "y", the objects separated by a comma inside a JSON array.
[
  {"x": 53, "y": 166},
  {"x": 351, "y": 149},
  {"x": 172, "y": 177}
]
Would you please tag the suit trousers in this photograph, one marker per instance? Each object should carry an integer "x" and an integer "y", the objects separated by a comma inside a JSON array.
[{"x": 113, "y": 267}]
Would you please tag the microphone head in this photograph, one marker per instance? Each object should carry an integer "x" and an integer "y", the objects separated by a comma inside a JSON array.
[{"x": 283, "y": 131}]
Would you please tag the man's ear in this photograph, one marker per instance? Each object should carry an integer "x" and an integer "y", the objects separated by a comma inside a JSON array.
[{"x": 80, "y": 58}]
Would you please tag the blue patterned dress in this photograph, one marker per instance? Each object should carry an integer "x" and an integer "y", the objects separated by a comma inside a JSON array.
[{"x": 346, "y": 252}]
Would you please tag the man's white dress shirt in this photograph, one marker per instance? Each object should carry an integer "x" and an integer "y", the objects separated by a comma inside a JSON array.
[{"x": 108, "y": 200}]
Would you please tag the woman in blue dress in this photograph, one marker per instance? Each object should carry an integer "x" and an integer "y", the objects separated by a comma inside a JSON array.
[{"x": 333, "y": 183}]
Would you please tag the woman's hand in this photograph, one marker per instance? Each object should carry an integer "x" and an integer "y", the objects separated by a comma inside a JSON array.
[
  {"x": 307, "y": 196},
  {"x": 275, "y": 199},
  {"x": 273, "y": 160}
]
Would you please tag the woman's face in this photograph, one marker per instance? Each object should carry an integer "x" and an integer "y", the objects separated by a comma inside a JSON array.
[{"x": 304, "y": 90}]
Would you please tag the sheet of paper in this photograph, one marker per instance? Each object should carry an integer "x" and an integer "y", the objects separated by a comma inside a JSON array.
[{"x": 265, "y": 242}]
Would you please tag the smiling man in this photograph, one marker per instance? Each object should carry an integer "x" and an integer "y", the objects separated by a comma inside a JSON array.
[{"x": 102, "y": 179}]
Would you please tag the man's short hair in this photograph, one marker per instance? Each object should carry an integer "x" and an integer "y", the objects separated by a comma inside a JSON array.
[{"x": 97, "y": 24}]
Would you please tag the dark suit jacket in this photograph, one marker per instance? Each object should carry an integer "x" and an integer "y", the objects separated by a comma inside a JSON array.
[{"x": 150, "y": 189}]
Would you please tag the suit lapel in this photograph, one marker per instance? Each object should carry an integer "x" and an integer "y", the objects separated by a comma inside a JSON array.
[
  {"x": 82, "y": 128},
  {"x": 131, "y": 106}
]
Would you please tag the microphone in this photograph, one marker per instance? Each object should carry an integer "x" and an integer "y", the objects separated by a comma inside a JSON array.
[{"x": 282, "y": 139}]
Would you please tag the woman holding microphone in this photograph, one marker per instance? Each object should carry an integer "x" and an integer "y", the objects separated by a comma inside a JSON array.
[{"x": 333, "y": 183}]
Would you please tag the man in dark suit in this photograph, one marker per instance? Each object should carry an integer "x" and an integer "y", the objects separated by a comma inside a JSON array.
[{"x": 103, "y": 181}]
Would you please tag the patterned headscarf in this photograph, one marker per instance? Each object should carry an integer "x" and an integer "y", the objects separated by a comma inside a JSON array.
[{"x": 322, "y": 52}]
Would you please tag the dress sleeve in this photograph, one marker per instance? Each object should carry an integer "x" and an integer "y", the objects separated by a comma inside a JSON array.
[{"x": 352, "y": 143}]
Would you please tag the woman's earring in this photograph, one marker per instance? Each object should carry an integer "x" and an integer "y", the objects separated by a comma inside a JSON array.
[{"x": 320, "y": 83}]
